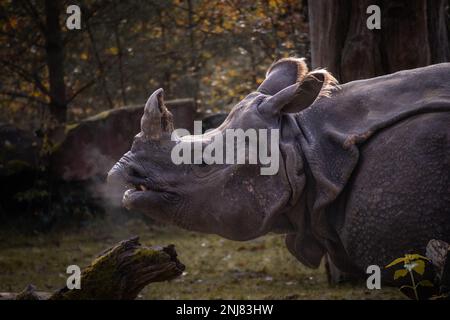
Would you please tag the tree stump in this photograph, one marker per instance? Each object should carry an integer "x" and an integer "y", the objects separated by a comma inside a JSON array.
[{"x": 118, "y": 273}]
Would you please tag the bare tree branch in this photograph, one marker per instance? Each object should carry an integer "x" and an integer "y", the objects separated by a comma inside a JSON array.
[
  {"x": 26, "y": 75},
  {"x": 22, "y": 95}
]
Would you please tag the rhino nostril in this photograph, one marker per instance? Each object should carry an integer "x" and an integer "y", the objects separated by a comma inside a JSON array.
[{"x": 133, "y": 172}]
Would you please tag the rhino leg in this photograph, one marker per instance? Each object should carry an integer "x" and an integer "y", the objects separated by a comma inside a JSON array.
[
  {"x": 399, "y": 196},
  {"x": 336, "y": 276}
]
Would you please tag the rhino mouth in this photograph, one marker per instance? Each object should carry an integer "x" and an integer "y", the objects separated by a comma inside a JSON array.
[
  {"x": 134, "y": 193},
  {"x": 140, "y": 190},
  {"x": 142, "y": 187},
  {"x": 137, "y": 187},
  {"x": 130, "y": 196}
]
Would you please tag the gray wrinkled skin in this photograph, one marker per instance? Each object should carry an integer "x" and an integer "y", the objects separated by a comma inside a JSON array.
[
  {"x": 234, "y": 201},
  {"x": 364, "y": 173}
]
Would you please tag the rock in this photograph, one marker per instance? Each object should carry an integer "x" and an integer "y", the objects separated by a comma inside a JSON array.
[
  {"x": 183, "y": 111},
  {"x": 438, "y": 252}
]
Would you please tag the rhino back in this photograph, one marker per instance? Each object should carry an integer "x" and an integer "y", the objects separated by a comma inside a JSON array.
[{"x": 399, "y": 196}]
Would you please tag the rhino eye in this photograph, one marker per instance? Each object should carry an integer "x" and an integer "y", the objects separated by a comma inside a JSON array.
[{"x": 260, "y": 99}]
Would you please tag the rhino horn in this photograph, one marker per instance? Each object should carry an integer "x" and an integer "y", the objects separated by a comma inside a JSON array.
[{"x": 157, "y": 119}]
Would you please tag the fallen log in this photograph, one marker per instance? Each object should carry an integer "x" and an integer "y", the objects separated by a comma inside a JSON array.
[{"x": 118, "y": 273}]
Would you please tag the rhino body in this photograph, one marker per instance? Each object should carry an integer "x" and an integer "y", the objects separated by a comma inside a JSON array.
[{"x": 364, "y": 171}]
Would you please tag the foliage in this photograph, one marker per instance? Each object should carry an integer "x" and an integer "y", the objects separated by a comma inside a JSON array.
[
  {"x": 411, "y": 262},
  {"x": 213, "y": 51}
]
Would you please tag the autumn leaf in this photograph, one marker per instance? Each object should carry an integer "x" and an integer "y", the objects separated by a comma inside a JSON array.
[
  {"x": 407, "y": 259},
  {"x": 419, "y": 267},
  {"x": 415, "y": 257},
  {"x": 396, "y": 261},
  {"x": 113, "y": 50},
  {"x": 13, "y": 22},
  {"x": 400, "y": 273}
]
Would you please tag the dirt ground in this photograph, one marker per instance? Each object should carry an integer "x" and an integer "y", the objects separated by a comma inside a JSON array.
[{"x": 215, "y": 268}]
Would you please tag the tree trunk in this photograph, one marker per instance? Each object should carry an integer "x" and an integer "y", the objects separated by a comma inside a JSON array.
[
  {"x": 119, "y": 273},
  {"x": 55, "y": 61},
  {"x": 413, "y": 34}
]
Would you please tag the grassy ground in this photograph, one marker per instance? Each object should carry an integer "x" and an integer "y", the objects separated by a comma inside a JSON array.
[{"x": 215, "y": 268}]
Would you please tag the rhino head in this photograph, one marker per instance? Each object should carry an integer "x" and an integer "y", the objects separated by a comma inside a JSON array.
[{"x": 232, "y": 200}]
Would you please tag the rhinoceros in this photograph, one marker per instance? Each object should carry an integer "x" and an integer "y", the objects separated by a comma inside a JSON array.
[{"x": 364, "y": 167}]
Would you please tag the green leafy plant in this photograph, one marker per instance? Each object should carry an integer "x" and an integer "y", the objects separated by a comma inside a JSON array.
[{"x": 412, "y": 263}]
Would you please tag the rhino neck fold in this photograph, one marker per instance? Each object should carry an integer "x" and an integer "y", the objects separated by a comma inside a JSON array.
[
  {"x": 296, "y": 169},
  {"x": 307, "y": 242}
]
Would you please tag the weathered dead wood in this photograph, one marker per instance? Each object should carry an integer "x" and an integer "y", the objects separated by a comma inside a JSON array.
[
  {"x": 118, "y": 273},
  {"x": 437, "y": 252}
]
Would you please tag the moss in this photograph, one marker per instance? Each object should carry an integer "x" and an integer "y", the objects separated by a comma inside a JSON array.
[
  {"x": 98, "y": 279},
  {"x": 100, "y": 116},
  {"x": 70, "y": 127},
  {"x": 150, "y": 256},
  {"x": 54, "y": 146}
]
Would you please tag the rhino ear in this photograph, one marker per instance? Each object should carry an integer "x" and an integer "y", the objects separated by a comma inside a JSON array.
[
  {"x": 282, "y": 74},
  {"x": 299, "y": 96}
]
